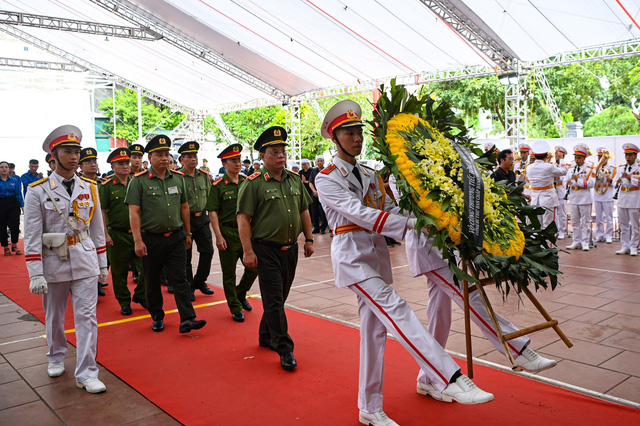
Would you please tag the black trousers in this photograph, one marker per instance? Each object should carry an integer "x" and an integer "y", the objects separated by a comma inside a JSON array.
[
  {"x": 318, "y": 218},
  {"x": 171, "y": 252},
  {"x": 276, "y": 271},
  {"x": 9, "y": 217},
  {"x": 200, "y": 236}
]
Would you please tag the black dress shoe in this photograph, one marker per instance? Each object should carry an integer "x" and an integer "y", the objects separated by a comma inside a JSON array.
[
  {"x": 103, "y": 284},
  {"x": 205, "y": 289},
  {"x": 125, "y": 310},
  {"x": 315, "y": 231},
  {"x": 288, "y": 361},
  {"x": 170, "y": 289},
  {"x": 323, "y": 230},
  {"x": 238, "y": 316},
  {"x": 192, "y": 296},
  {"x": 191, "y": 324},
  {"x": 267, "y": 344},
  {"x": 246, "y": 305},
  {"x": 101, "y": 291},
  {"x": 157, "y": 325},
  {"x": 141, "y": 302}
]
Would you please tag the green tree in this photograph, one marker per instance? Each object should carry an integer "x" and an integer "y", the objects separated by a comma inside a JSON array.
[
  {"x": 615, "y": 120},
  {"x": 153, "y": 115}
]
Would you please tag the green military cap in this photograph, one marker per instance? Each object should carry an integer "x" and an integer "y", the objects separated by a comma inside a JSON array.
[
  {"x": 119, "y": 154},
  {"x": 87, "y": 154},
  {"x": 190, "y": 147},
  {"x": 136, "y": 148},
  {"x": 274, "y": 135},
  {"x": 233, "y": 150},
  {"x": 158, "y": 143}
]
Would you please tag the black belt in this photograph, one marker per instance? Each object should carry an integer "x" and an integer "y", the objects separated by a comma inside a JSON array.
[
  {"x": 113, "y": 228},
  {"x": 197, "y": 214},
  {"x": 161, "y": 234},
  {"x": 230, "y": 225},
  {"x": 276, "y": 245}
]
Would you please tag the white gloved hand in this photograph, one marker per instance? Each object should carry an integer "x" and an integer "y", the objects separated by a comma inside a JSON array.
[
  {"x": 411, "y": 223},
  {"x": 38, "y": 285},
  {"x": 104, "y": 274}
]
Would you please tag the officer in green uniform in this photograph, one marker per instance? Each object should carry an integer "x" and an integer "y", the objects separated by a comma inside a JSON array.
[
  {"x": 88, "y": 164},
  {"x": 198, "y": 186},
  {"x": 222, "y": 206},
  {"x": 120, "y": 248},
  {"x": 137, "y": 151},
  {"x": 272, "y": 211},
  {"x": 159, "y": 218}
]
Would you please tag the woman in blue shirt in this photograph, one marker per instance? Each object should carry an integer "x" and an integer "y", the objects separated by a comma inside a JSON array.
[{"x": 11, "y": 203}]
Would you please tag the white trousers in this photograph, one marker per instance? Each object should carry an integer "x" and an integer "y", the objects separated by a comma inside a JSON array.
[
  {"x": 581, "y": 223},
  {"x": 628, "y": 220},
  {"x": 381, "y": 310},
  {"x": 604, "y": 215},
  {"x": 548, "y": 216},
  {"x": 84, "y": 298},
  {"x": 442, "y": 291},
  {"x": 561, "y": 217}
]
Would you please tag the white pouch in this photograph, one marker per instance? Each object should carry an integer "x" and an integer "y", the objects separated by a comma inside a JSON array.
[{"x": 57, "y": 242}]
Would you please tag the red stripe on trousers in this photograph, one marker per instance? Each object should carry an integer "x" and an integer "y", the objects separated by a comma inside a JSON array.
[{"x": 446, "y": 381}]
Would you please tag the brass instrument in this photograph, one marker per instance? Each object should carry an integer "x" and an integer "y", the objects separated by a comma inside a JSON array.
[{"x": 601, "y": 176}]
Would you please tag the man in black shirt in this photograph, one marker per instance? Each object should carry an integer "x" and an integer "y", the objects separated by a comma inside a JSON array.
[{"x": 505, "y": 163}]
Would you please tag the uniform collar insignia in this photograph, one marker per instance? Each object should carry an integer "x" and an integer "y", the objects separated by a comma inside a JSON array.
[
  {"x": 226, "y": 181},
  {"x": 343, "y": 171},
  {"x": 266, "y": 176}
]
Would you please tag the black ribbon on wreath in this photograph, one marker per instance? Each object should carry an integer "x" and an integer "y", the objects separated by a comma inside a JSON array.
[{"x": 472, "y": 220}]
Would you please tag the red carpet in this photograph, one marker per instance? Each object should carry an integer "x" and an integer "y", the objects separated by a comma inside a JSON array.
[{"x": 219, "y": 375}]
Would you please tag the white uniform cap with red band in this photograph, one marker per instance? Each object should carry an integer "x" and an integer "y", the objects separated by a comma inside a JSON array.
[
  {"x": 630, "y": 148},
  {"x": 343, "y": 114},
  {"x": 581, "y": 149},
  {"x": 488, "y": 146},
  {"x": 67, "y": 135},
  {"x": 540, "y": 147},
  {"x": 524, "y": 147},
  {"x": 561, "y": 149}
]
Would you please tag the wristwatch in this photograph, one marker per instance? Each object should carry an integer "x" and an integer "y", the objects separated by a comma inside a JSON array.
[{"x": 308, "y": 240}]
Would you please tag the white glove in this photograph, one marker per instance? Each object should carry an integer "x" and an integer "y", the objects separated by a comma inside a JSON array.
[
  {"x": 104, "y": 274},
  {"x": 411, "y": 223},
  {"x": 38, "y": 285}
]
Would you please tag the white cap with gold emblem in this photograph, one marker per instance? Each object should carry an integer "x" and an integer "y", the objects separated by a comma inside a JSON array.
[
  {"x": 67, "y": 135},
  {"x": 343, "y": 114}
]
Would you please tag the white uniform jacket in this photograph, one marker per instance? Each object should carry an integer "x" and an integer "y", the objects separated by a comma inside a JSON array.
[
  {"x": 520, "y": 166},
  {"x": 580, "y": 189},
  {"x": 363, "y": 254},
  {"x": 541, "y": 176},
  {"x": 561, "y": 188},
  {"x": 629, "y": 195},
  {"x": 85, "y": 258},
  {"x": 608, "y": 171}
]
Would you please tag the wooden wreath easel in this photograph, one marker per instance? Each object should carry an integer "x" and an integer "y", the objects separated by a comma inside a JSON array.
[{"x": 504, "y": 338}]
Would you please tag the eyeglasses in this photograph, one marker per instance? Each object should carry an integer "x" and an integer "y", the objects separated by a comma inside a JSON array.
[{"x": 4, "y": 167}]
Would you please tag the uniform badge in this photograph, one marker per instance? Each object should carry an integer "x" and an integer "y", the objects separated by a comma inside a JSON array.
[
  {"x": 226, "y": 181},
  {"x": 277, "y": 132}
]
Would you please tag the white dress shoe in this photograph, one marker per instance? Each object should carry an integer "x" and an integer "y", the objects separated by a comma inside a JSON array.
[
  {"x": 429, "y": 389},
  {"x": 623, "y": 251},
  {"x": 585, "y": 247},
  {"x": 376, "y": 419},
  {"x": 574, "y": 246},
  {"x": 92, "y": 385},
  {"x": 634, "y": 252},
  {"x": 530, "y": 361},
  {"x": 600, "y": 240},
  {"x": 465, "y": 391},
  {"x": 55, "y": 369},
  {"x": 561, "y": 237},
  {"x": 609, "y": 241}
]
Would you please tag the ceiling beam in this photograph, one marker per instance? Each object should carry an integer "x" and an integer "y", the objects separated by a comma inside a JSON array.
[
  {"x": 72, "y": 25},
  {"x": 590, "y": 54},
  {"x": 41, "y": 65}
]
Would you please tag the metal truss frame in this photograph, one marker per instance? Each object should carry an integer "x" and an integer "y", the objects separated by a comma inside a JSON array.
[
  {"x": 194, "y": 49},
  {"x": 515, "y": 100},
  {"x": 41, "y": 65},
  {"x": 72, "y": 25},
  {"x": 294, "y": 130},
  {"x": 550, "y": 101},
  {"x": 223, "y": 128}
]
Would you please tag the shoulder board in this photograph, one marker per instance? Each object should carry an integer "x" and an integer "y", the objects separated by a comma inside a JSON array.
[
  {"x": 253, "y": 176},
  {"x": 89, "y": 180},
  {"x": 367, "y": 167},
  {"x": 292, "y": 172},
  {"x": 204, "y": 171},
  {"x": 140, "y": 173},
  {"x": 105, "y": 181},
  {"x": 38, "y": 182},
  {"x": 178, "y": 172},
  {"x": 331, "y": 167},
  {"x": 217, "y": 182}
]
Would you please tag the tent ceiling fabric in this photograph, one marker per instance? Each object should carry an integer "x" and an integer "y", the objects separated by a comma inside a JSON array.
[{"x": 299, "y": 45}]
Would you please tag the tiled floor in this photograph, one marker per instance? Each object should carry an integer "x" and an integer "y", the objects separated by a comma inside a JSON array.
[{"x": 597, "y": 305}]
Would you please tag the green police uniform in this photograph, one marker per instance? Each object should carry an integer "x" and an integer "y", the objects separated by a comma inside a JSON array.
[
  {"x": 161, "y": 230},
  {"x": 198, "y": 187},
  {"x": 223, "y": 199},
  {"x": 112, "y": 196},
  {"x": 275, "y": 208}
]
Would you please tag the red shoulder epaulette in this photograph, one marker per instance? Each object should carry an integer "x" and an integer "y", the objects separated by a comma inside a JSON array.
[
  {"x": 177, "y": 172},
  {"x": 217, "y": 182},
  {"x": 105, "y": 181},
  {"x": 331, "y": 167},
  {"x": 204, "y": 171},
  {"x": 253, "y": 176},
  {"x": 140, "y": 173},
  {"x": 88, "y": 180}
]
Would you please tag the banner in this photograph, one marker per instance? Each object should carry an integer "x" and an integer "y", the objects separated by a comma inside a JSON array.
[{"x": 472, "y": 220}]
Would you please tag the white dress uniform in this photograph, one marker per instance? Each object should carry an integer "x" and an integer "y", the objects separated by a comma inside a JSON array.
[
  {"x": 427, "y": 261},
  {"x": 580, "y": 200},
  {"x": 603, "y": 202},
  {"x": 628, "y": 205},
  {"x": 561, "y": 191},
  {"x": 541, "y": 176},
  {"x": 77, "y": 275},
  {"x": 361, "y": 262}
]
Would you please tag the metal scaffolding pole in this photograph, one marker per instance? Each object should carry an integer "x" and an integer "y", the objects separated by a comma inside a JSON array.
[
  {"x": 294, "y": 130},
  {"x": 515, "y": 100}
]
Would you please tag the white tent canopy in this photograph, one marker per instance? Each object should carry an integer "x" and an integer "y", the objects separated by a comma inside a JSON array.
[{"x": 274, "y": 49}]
